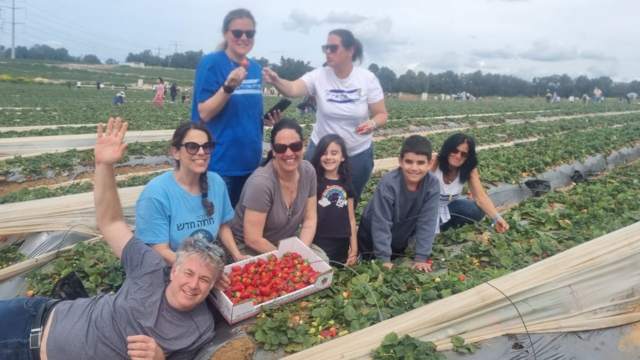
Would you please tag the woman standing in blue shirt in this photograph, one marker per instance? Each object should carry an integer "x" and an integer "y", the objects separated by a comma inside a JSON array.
[{"x": 227, "y": 96}]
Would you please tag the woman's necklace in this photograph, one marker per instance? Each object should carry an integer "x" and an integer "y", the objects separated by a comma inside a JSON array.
[{"x": 449, "y": 181}]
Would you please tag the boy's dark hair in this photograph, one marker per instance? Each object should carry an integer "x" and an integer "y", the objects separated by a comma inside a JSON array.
[
  {"x": 451, "y": 144},
  {"x": 418, "y": 145},
  {"x": 344, "y": 170}
]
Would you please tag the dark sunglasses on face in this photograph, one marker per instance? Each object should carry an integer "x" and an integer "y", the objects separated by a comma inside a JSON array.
[
  {"x": 331, "y": 47},
  {"x": 463, "y": 154},
  {"x": 238, "y": 33},
  {"x": 193, "y": 148},
  {"x": 282, "y": 148}
]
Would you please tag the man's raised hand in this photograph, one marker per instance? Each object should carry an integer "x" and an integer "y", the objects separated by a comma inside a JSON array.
[{"x": 110, "y": 147}]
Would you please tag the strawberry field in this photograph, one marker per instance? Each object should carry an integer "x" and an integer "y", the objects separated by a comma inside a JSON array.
[{"x": 517, "y": 139}]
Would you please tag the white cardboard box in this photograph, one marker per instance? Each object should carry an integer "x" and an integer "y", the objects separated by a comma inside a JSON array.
[{"x": 238, "y": 312}]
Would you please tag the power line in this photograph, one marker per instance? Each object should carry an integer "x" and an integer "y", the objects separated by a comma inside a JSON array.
[{"x": 84, "y": 29}]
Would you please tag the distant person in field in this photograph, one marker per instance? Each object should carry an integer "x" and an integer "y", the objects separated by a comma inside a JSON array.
[
  {"x": 119, "y": 99},
  {"x": 455, "y": 165},
  {"x": 173, "y": 92},
  {"x": 405, "y": 202},
  {"x": 158, "y": 100},
  {"x": 98, "y": 85},
  {"x": 631, "y": 96},
  {"x": 350, "y": 101},
  {"x": 585, "y": 98},
  {"x": 548, "y": 97},
  {"x": 126, "y": 86},
  {"x": 79, "y": 84},
  {"x": 227, "y": 96},
  {"x": 307, "y": 106},
  {"x": 571, "y": 99},
  {"x": 597, "y": 94}
]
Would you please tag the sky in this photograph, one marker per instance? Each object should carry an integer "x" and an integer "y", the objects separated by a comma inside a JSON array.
[{"x": 525, "y": 38}]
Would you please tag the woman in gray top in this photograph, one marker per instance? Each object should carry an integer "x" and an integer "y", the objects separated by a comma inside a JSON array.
[{"x": 278, "y": 197}]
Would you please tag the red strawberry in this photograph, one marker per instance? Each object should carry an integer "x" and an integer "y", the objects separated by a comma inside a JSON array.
[{"x": 245, "y": 63}]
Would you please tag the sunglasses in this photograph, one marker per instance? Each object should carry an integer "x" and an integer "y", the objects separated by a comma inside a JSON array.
[
  {"x": 193, "y": 148},
  {"x": 282, "y": 148},
  {"x": 463, "y": 154},
  {"x": 238, "y": 33},
  {"x": 208, "y": 247},
  {"x": 331, "y": 47}
]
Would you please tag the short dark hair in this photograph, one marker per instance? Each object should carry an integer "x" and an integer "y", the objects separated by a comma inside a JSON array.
[
  {"x": 350, "y": 42},
  {"x": 451, "y": 144},
  {"x": 344, "y": 170},
  {"x": 279, "y": 126},
  {"x": 418, "y": 145}
]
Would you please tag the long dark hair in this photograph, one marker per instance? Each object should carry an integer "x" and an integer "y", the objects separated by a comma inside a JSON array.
[
  {"x": 344, "y": 170},
  {"x": 178, "y": 138},
  {"x": 161, "y": 80},
  {"x": 279, "y": 126},
  {"x": 350, "y": 42},
  {"x": 233, "y": 15},
  {"x": 451, "y": 144}
]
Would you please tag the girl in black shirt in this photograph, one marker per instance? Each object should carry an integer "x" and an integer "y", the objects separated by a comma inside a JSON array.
[{"x": 336, "y": 228}]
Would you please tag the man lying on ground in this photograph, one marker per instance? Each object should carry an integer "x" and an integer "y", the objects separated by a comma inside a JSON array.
[{"x": 158, "y": 312}]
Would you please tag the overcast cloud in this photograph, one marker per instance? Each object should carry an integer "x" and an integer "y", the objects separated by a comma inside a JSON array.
[{"x": 525, "y": 38}]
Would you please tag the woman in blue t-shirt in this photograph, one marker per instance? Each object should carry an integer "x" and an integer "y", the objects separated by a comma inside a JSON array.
[
  {"x": 227, "y": 96},
  {"x": 187, "y": 202}
]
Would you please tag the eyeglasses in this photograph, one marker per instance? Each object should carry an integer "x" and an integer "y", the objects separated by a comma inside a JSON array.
[
  {"x": 463, "y": 154},
  {"x": 331, "y": 47},
  {"x": 238, "y": 33},
  {"x": 208, "y": 247},
  {"x": 193, "y": 148},
  {"x": 282, "y": 148}
]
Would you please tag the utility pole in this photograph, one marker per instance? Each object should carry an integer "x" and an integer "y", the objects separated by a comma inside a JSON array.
[
  {"x": 158, "y": 54},
  {"x": 13, "y": 26},
  {"x": 175, "y": 45},
  {"x": 175, "y": 49}
]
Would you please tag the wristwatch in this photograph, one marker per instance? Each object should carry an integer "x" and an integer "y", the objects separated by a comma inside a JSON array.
[{"x": 228, "y": 89}]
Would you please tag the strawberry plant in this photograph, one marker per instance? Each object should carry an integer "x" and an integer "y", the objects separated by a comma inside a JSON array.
[
  {"x": 406, "y": 348},
  {"x": 9, "y": 255},
  {"x": 95, "y": 264}
]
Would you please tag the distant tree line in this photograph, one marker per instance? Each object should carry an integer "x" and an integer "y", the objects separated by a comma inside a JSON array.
[
  {"x": 489, "y": 84},
  {"x": 46, "y": 52},
  {"x": 448, "y": 82}
]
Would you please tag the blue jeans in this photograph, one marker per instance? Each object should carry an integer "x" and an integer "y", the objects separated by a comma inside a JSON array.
[
  {"x": 234, "y": 187},
  {"x": 362, "y": 165},
  {"x": 463, "y": 211},
  {"x": 17, "y": 319}
]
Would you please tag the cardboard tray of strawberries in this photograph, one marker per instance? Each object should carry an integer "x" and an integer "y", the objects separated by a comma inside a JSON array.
[{"x": 291, "y": 272}]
